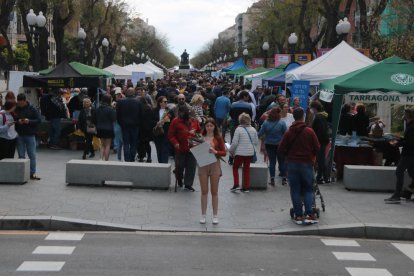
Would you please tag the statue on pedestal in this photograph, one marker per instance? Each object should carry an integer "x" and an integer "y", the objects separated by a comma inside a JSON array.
[{"x": 185, "y": 62}]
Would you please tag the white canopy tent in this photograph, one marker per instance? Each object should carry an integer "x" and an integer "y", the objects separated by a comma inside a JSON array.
[
  {"x": 149, "y": 72},
  {"x": 160, "y": 72},
  {"x": 119, "y": 72},
  {"x": 339, "y": 61}
]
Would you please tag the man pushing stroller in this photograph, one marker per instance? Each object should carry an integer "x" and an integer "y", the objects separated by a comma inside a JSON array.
[{"x": 300, "y": 146}]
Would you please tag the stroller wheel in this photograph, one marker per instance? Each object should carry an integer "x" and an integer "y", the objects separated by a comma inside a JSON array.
[
  {"x": 323, "y": 207},
  {"x": 316, "y": 211},
  {"x": 292, "y": 214}
]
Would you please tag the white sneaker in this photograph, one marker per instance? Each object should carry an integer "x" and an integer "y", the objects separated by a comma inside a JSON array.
[
  {"x": 215, "y": 220},
  {"x": 203, "y": 219}
]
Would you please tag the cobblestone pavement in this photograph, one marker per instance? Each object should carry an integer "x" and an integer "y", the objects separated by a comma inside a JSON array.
[{"x": 257, "y": 211}]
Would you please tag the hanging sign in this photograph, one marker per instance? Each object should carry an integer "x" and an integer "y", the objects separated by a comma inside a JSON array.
[
  {"x": 300, "y": 89},
  {"x": 380, "y": 97}
]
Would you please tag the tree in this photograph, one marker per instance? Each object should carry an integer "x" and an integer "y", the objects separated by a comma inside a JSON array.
[
  {"x": 63, "y": 12},
  {"x": 20, "y": 56},
  {"x": 6, "y": 7}
]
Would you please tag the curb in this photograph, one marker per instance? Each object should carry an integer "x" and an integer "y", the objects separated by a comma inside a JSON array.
[{"x": 355, "y": 230}]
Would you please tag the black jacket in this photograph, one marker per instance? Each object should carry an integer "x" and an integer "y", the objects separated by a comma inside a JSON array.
[
  {"x": 104, "y": 117},
  {"x": 129, "y": 112},
  {"x": 27, "y": 112},
  {"x": 85, "y": 119},
  {"x": 321, "y": 128},
  {"x": 52, "y": 107},
  {"x": 407, "y": 142},
  {"x": 345, "y": 124},
  {"x": 360, "y": 124}
]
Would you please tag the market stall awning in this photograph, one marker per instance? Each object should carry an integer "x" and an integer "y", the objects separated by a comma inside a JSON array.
[
  {"x": 68, "y": 75},
  {"x": 281, "y": 77},
  {"x": 237, "y": 71},
  {"x": 118, "y": 71},
  {"x": 257, "y": 70},
  {"x": 237, "y": 65}
]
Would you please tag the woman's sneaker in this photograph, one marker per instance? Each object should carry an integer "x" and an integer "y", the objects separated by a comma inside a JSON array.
[
  {"x": 215, "y": 220},
  {"x": 272, "y": 181},
  {"x": 284, "y": 181},
  {"x": 235, "y": 188},
  {"x": 203, "y": 219}
]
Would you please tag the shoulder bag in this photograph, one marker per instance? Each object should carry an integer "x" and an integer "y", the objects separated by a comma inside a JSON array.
[{"x": 254, "y": 157}]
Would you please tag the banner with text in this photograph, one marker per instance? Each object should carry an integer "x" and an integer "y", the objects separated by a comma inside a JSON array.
[
  {"x": 300, "y": 89},
  {"x": 381, "y": 97}
]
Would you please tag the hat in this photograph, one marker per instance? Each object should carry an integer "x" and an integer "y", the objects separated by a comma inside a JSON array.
[{"x": 118, "y": 90}]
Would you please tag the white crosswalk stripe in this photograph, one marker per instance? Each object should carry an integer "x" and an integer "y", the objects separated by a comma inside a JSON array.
[
  {"x": 58, "y": 250},
  {"x": 353, "y": 256},
  {"x": 340, "y": 242},
  {"x": 41, "y": 266},
  {"x": 64, "y": 236},
  {"x": 358, "y": 271},
  {"x": 407, "y": 249}
]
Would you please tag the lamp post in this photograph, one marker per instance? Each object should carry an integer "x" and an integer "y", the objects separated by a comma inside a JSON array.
[
  {"x": 265, "y": 48},
  {"x": 235, "y": 55},
  {"x": 342, "y": 28},
  {"x": 36, "y": 24},
  {"x": 245, "y": 53},
  {"x": 105, "y": 49},
  {"x": 81, "y": 40},
  {"x": 292, "y": 40},
  {"x": 123, "y": 51}
]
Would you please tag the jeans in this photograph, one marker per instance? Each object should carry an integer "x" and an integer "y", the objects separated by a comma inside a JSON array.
[
  {"x": 273, "y": 155},
  {"x": 322, "y": 170},
  {"x": 222, "y": 125},
  {"x": 118, "y": 142},
  {"x": 55, "y": 130},
  {"x": 405, "y": 163},
  {"x": 130, "y": 138},
  {"x": 162, "y": 145},
  {"x": 27, "y": 144},
  {"x": 300, "y": 177},
  {"x": 245, "y": 161},
  {"x": 185, "y": 161}
]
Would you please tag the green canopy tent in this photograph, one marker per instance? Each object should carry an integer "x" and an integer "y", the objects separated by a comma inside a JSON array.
[
  {"x": 274, "y": 72},
  {"x": 237, "y": 71},
  {"x": 68, "y": 75},
  {"x": 257, "y": 70},
  {"x": 391, "y": 80}
]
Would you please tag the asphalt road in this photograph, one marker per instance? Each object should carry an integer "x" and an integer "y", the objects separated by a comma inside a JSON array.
[{"x": 22, "y": 253}]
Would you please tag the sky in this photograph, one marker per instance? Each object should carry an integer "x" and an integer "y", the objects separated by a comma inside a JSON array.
[{"x": 189, "y": 24}]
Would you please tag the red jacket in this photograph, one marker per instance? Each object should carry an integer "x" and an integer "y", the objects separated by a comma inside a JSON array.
[
  {"x": 179, "y": 133},
  {"x": 305, "y": 147}
]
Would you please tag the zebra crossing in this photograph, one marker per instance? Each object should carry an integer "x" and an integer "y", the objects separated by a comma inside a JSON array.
[
  {"x": 51, "y": 251},
  {"x": 345, "y": 254}
]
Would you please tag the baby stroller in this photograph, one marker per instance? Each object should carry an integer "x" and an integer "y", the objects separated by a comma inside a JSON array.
[{"x": 316, "y": 194}]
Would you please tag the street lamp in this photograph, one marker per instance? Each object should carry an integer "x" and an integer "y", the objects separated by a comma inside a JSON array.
[
  {"x": 123, "y": 51},
  {"x": 265, "y": 48},
  {"x": 236, "y": 55},
  {"x": 81, "y": 39},
  {"x": 342, "y": 28},
  {"x": 245, "y": 53},
  {"x": 292, "y": 40},
  {"x": 36, "y": 24}
]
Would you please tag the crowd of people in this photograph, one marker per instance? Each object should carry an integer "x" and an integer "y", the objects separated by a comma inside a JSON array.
[{"x": 180, "y": 112}]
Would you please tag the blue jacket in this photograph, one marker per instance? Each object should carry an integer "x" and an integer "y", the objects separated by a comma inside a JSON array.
[
  {"x": 238, "y": 108},
  {"x": 222, "y": 107},
  {"x": 273, "y": 130}
]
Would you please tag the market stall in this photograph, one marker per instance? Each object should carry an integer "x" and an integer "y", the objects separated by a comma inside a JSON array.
[{"x": 390, "y": 81}]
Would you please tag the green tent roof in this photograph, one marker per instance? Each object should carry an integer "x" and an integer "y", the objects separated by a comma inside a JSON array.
[
  {"x": 237, "y": 71},
  {"x": 257, "y": 70},
  {"x": 391, "y": 74},
  {"x": 274, "y": 72},
  {"x": 84, "y": 70}
]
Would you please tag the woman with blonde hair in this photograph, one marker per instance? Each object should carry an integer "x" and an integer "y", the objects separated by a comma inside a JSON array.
[
  {"x": 197, "y": 106},
  {"x": 211, "y": 135},
  {"x": 243, "y": 148}
]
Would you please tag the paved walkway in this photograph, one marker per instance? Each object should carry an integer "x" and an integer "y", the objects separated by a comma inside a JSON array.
[{"x": 258, "y": 211}]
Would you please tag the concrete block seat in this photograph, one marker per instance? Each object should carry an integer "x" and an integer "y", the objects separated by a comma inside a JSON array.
[
  {"x": 258, "y": 176},
  {"x": 371, "y": 178},
  {"x": 14, "y": 171},
  {"x": 140, "y": 175}
]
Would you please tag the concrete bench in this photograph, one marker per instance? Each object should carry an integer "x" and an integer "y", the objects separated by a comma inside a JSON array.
[
  {"x": 371, "y": 178},
  {"x": 258, "y": 176},
  {"x": 14, "y": 171},
  {"x": 140, "y": 175}
]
